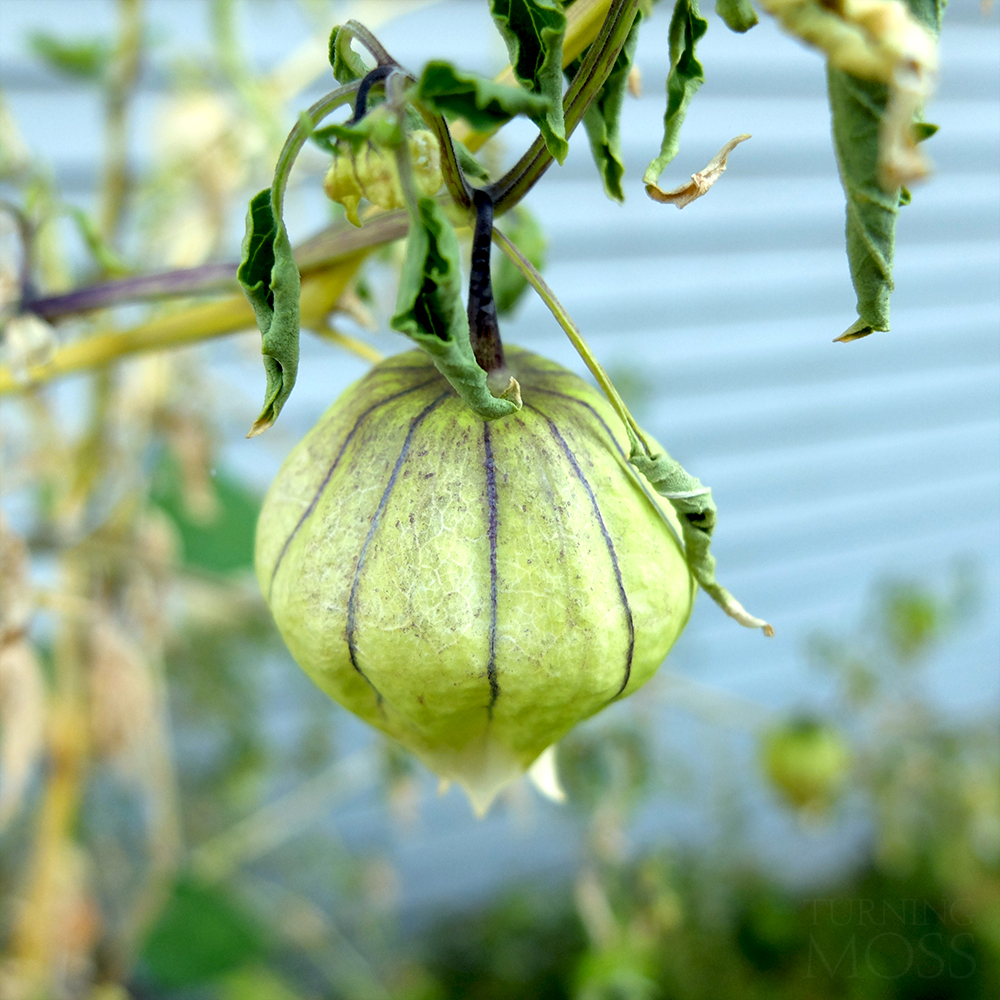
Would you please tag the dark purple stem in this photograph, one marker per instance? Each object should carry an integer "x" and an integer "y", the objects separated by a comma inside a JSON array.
[
  {"x": 190, "y": 281},
  {"x": 377, "y": 75},
  {"x": 484, "y": 328}
]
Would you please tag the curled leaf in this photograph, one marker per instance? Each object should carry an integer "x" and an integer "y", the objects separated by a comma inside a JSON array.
[
  {"x": 881, "y": 66},
  {"x": 429, "y": 308},
  {"x": 270, "y": 280},
  {"x": 483, "y": 103},
  {"x": 882, "y": 41},
  {"x": 533, "y": 32},
  {"x": 686, "y": 75},
  {"x": 603, "y": 117},
  {"x": 346, "y": 63},
  {"x": 700, "y": 182},
  {"x": 739, "y": 15},
  {"x": 697, "y": 514}
]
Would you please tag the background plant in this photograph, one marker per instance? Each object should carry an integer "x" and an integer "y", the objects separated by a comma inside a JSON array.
[{"x": 116, "y": 845}]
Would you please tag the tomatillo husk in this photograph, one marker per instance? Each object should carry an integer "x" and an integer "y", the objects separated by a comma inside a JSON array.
[{"x": 472, "y": 589}]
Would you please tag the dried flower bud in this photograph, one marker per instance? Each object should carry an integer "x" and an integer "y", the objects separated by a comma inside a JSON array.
[
  {"x": 472, "y": 589},
  {"x": 372, "y": 173}
]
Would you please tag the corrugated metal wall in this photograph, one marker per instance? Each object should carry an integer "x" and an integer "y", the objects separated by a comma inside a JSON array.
[{"x": 833, "y": 465}]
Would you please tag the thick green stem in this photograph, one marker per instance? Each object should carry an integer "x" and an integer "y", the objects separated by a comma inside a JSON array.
[{"x": 586, "y": 85}]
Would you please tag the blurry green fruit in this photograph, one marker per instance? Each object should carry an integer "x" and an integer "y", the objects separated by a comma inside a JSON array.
[
  {"x": 472, "y": 589},
  {"x": 807, "y": 761}
]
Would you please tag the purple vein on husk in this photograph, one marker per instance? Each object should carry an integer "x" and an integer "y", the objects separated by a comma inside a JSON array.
[
  {"x": 594, "y": 413},
  {"x": 492, "y": 524},
  {"x": 376, "y": 519},
  {"x": 331, "y": 470},
  {"x": 651, "y": 496},
  {"x": 560, "y": 440}
]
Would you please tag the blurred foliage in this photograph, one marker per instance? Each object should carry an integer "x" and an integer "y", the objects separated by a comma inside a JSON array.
[
  {"x": 199, "y": 936},
  {"x": 87, "y": 59},
  {"x": 170, "y": 783}
]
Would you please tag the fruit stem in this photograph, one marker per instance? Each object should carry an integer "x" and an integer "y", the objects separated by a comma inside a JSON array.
[
  {"x": 484, "y": 327},
  {"x": 572, "y": 331}
]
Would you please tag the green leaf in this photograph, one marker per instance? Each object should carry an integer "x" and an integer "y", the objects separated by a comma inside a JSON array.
[
  {"x": 686, "y": 75},
  {"x": 376, "y": 128},
  {"x": 429, "y": 308},
  {"x": 698, "y": 516},
  {"x": 221, "y": 541},
  {"x": 857, "y": 107},
  {"x": 481, "y": 102},
  {"x": 524, "y": 231},
  {"x": 200, "y": 935},
  {"x": 86, "y": 59},
  {"x": 347, "y": 64},
  {"x": 270, "y": 280},
  {"x": 739, "y": 15},
  {"x": 469, "y": 164},
  {"x": 533, "y": 32},
  {"x": 603, "y": 118}
]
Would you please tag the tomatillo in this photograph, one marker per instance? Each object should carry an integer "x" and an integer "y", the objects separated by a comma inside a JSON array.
[{"x": 474, "y": 589}]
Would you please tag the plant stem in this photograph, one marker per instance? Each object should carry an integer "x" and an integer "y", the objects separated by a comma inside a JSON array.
[
  {"x": 232, "y": 314},
  {"x": 484, "y": 327},
  {"x": 454, "y": 177},
  {"x": 586, "y": 85},
  {"x": 121, "y": 78},
  {"x": 572, "y": 331},
  {"x": 357, "y": 30},
  {"x": 330, "y": 246},
  {"x": 298, "y": 136}
]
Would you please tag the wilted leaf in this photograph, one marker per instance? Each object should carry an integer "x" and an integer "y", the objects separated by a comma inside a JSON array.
[
  {"x": 686, "y": 75},
  {"x": 603, "y": 118},
  {"x": 481, "y": 102},
  {"x": 882, "y": 63},
  {"x": 429, "y": 308},
  {"x": 270, "y": 280},
  {"x": 697, "y": 514},
  {"x": 533, "y": 32}
]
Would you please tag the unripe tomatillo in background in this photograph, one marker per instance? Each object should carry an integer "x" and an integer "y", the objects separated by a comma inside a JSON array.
[
  {"x": 474, "y": 589},
  {"x": 807, "y": 761}
]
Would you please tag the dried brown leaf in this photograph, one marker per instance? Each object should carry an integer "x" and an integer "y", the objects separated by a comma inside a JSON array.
[{"x": 700, "y": 182}]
